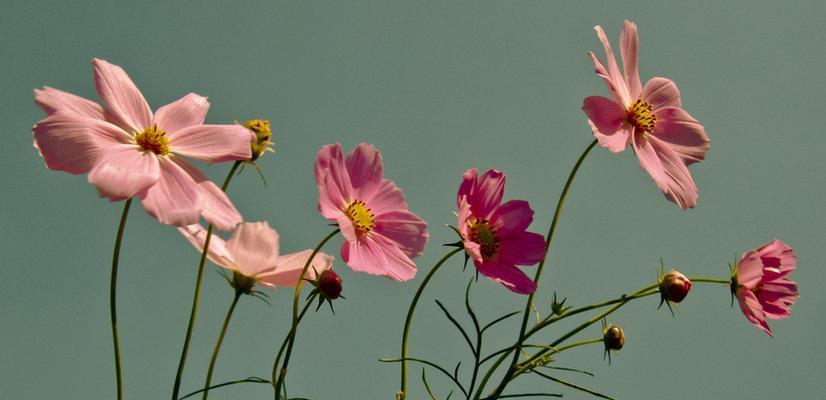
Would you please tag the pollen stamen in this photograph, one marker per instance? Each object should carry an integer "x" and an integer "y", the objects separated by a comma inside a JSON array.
[
  {"x": 154, "y": 140},
  {"x": 640, "y": 115},
  {"x": 483, "y": 234},
  {"x": 361, "y": 216}
]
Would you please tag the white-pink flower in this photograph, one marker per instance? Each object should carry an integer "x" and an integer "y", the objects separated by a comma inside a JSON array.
[
  {"x": 651, "y": 119},
  {"x": 253, "y": 251},
  {"x": 127, "y": 151},
  {"x": 762, "y": 285}
]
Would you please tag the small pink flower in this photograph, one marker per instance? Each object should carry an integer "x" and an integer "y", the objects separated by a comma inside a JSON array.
[
  {"x": 127, "y": 151},
  {"x": 665, "y": 138},
  {"x": 494, "y": 234},
  {"x": 253, "y": 251},
  {"x": 381, "y": 234},
  {"x": 762, "y": 288}
]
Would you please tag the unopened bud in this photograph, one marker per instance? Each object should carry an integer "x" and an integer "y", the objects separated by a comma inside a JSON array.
[
  {"x": 263, "y": 137},
  {"x": 674, "y": 287},
  {"x": 614, "y": 338},
  {"x": 329, "y": 284}
]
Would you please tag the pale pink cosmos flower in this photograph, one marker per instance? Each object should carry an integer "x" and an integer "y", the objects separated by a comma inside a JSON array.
[
  {"x": 253, "y": 251},
  {"x": 381, "y": 234},
  {"x": 665, "y": 138},
  {"x": 762, "y": 286},
  {"x": 494, "y": 233},
  {"x": 127, "y": 151}
]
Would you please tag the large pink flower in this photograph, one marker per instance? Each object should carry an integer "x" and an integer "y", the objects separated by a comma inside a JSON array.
[
  {"x": 494, "y": 234},
  {"x": 253, "y": 251},
  {"x": 762, "y": 288},
  {"x": 381, "y": 234},
  {"x": 129, "y": 151},
  {"x": 665, "y": 138}
]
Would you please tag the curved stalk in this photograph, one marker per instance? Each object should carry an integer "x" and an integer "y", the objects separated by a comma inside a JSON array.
[
  {"x": 113, "y": 288},
  {"x": 219, "y": 342}
]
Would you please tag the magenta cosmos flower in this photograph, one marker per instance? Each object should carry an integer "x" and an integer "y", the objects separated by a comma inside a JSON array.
[
  {"x": 494, "y": 234},
  {"x": 665, "y": 138},
  {"x": 253, "y": 252},
  {"x": 129, "y": 151},
  {"x": 381, "y": 234},
  {"x": 762, "y": 287}
]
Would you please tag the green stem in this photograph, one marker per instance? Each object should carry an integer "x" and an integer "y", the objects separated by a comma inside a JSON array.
[
  {"x": 113, "y": 288},
  {"x": 548, "y": 239},
  {"x": 406, "y": 333},
  {"x": 246, "y": 380},
  {"x": 307, "y": 305},
  {"x": 711, "y": 280},
  {"x": 294, "y": 328},
  {"x": 193, "y": 313},
  {"x": 219, "y": 342},
  {"x": 556, "y": 350}
]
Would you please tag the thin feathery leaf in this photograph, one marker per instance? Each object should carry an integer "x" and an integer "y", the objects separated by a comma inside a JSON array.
[
  {"x": 459, "y": 327},
  {"x": 574, "y": 386}
]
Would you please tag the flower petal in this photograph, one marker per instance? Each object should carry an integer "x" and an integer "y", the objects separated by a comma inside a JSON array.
[
  {"x": 668, "y": 170},
  {"x": 289, "y": 266},
  {"x": 366, "y": 170},
  {"x": 185, "y": 112},
  {"x": 404, "y": 228},
  {"x": 749, "y": 270},
  {"x": 752, "y": 309},
  {"x": 52, "y": 100},
  {"x": 388, "y": 197},
  {"x": 218, "y": 254},
  {"x": 629, "y": 49},
  {"x": 67, "y": 143},
  {"x": 330, "y": 162},
  {"x": 483, "y": 193},
  {"x": 213, "y": 143},
  {"x": 613, "y": 78},
  {"x": 523, "y": 248},
  {"x": 254, "y": 247},
  {"x": 661, "y": 93},
  {"x": 682, "y": 133},
  {"x": 607, "y": 121},
  {"x": 376, "y": 255},
  {"x": 217, "y": 208},
  {"x": 331, "y": 202},
  {"x": 778, "y": 258},
  {"x": 175, "y": 199},
  {"x": 124, "y": 102},
  {"x": 508, "y": 275},
  {"x": 512, "y": 217},
  {"x": 124, "y": 171}
]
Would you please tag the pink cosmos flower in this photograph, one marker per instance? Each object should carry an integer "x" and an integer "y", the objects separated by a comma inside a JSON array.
[
  {"x": 129, "y": 151},
  {"x": 665, "y": 138},
  {"x": 494, "y": 234},
  {"x": 381, "y": 234},
  {"x": 762, "y": 288},
  {"x": 253, "y": 252}
]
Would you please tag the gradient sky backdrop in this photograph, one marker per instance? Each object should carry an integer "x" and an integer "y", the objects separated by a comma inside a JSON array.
[{"x": 439, "y": 87}]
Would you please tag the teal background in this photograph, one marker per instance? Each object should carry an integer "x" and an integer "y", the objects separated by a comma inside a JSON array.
[{"x": 439, "y": 87}]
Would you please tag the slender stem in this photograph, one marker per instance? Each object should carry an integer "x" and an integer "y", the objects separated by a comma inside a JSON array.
[
  {"x": 193, "y": 313},
  {"x": 307, "y": 305},
  {"x": 406, "y": 333},
  {"x": 555, "y": 350},
  {"x": 548, "y": 239},
  {"x": 235, "y": 298},
  {"x": 113, "y": 288},
  {"x": 246, "y": 380},
  {"x": 711, "y": 280},
  {"x": 296, "y": 298}
]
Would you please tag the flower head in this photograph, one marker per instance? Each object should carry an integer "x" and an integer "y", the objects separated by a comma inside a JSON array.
[
  {"x": 263, "y": 137},
  {"x": 674, "y": 287},
  {"x": 495, "y": 235},
  {"x": 127, "y": 150},
  {"x": 665, "y": 138},
  {"x": 381, "y": 234},
  {"x": 252, "y": 254},
  {"x": 761, "y": 284}
]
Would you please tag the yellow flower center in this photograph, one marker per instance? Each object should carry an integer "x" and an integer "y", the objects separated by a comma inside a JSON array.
[
  {"x": 483, "y": 234},
  {"x": 361, "y": 216},
  {"x": 263, "y": 136},
  {"x": 640, "y": 115},
  {"x": 154, "y": 140}
]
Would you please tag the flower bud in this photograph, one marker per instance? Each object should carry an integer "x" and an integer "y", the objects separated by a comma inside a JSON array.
[
  {"x": 614, "y": 338},
  {"x": 674, "y": 287},
  {"x": 263, "y": 137},
  {"x": 329, "y": 284}
]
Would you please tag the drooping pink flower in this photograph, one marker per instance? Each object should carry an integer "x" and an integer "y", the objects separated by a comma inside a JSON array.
[
  {"x": 762, "y": 287},
  {"x": 665, "y": 138},
  {"x": 495, "y": 235},
  {"x": 381, "y": 234},
  {"x": 129, "y": 151},
  {"x": 253, "y": 251}
]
